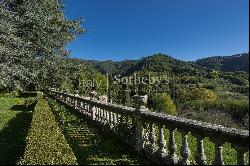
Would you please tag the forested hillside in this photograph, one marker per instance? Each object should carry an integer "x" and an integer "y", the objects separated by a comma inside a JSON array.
[
  {"x": 185, "y": 84},
  {"x": 239, "y": 62}
]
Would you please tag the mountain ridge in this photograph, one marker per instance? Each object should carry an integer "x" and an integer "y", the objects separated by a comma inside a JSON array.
[{"x": 237, "y": 62}]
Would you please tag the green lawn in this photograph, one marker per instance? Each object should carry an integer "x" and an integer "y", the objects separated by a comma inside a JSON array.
[
  {"x": 89, "y": 145},
  {"x": 6, "y": 113},
  {"x": 229, "y": 154},
  {"x": 14, "y": 124}
]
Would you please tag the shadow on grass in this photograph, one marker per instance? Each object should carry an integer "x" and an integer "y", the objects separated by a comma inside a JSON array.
[
  {"x": 92, "y": 146},
  {"x": 12, "y": 138},
  {"x": 28, "y": 106},
  {"x": 18, "y": 107}
]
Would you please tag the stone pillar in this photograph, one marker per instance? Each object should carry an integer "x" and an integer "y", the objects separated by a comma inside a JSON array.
[
  {"x": 92, "y": 108},
  {"x": 76, "y": 102},
  {"x": 103, "y": 99},
  {"x": 93, "y": 95},
  {"x": 140, "y": 103}
]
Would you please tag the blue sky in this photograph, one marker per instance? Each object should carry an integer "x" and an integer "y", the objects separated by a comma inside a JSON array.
[{"x": 184, "y": 29}]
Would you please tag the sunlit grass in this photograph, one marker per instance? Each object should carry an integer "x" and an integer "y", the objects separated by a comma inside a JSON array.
[
  {"x": 6, "y": 114},
  {"x": 89, "y": 145},
  {"x": 14, "y": 125}
]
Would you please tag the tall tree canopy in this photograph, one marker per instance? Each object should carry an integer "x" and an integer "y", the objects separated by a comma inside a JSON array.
[{"x": 33, "y": 36}]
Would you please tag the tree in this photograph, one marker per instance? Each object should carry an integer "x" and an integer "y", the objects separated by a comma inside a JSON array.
[
  {"x": 162, "y": 102},
  {"x": 193, "y": 93},
  {"x": 33, "y": 36}
]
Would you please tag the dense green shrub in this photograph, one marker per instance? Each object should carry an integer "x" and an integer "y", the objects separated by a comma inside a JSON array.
[
  {"x": 192, "y": 93},
  {"x": 236, "y": 107},
  {"x": 162, "y": 102},
  {"x": 45, "y": 142},
  {"x": 30, "y": 103},
  {"x": 229, "y": 113}
]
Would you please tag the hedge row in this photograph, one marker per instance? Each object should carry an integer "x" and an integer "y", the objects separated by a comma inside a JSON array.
[{"x": 46, "y": 144}]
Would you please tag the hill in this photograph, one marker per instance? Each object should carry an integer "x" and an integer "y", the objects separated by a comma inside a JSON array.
[{"x": 238, "y": 62}]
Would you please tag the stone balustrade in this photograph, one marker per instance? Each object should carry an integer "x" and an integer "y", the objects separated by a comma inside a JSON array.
[{"x": 145, "y": 131}]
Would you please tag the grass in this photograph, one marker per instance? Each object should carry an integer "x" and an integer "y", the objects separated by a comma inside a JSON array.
[
  {"x": 75, "y": 128},
  {"x": 46, "y": 144},
  {"x": 89, "y": 145},
  {"x": 229, "y": 154},
  {"x": 14, "y": 124}
]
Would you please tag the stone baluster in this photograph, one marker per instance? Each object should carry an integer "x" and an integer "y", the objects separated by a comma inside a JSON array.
[
  {"x": 126, "y": 120},
  {"x": 110, "y": 120},
  {"x": 100, "y": 115},
  {"x": 70, "y": 101},
  {"x": 107, "y": 117},
  {"x": 81, "y": 106},
  {"x": 200, "y": 156},
  {"x": 103, "y": 116},
  {"x": 75, "y": 104},
  {"x": 161, "y": 152},
  {"x": 89, "y": 111},
  {"x": 218, "y": 158},
  {"x": 121, "y": 125},
  {"x": 151, "y": 138},
  {"x": 241, "y": 153},
  {"x": 185, "y": 152},
  {"x": 172, "y": 157},
  {"x": 113, "y": 119},
  {"x": 87, "y": 108},
  {"x": 84, "y": 107},
  {"x": 145, "y": 135},
  {"x": 117, "y": 119}
]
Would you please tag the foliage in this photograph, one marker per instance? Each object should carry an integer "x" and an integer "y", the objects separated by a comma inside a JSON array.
[
  {"x": 236, "y": 107},
  {"x": 193, "y": 93},
  {"x": 229, "y": 113},
  {"x": 67, "y": 85},
  {"x": 33, "y": 35},
  {"x": 162, "y": 103},
  {"x": 239, "y": 62},
  {"x": 45, "y": 142}
]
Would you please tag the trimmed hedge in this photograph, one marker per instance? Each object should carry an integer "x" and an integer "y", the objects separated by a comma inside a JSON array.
[{"x": 46, "y": 144}]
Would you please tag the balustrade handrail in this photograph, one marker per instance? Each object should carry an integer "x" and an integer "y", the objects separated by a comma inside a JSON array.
[
  {"x": 201, "y": 129},
  {"x": 178, "y": 122}
]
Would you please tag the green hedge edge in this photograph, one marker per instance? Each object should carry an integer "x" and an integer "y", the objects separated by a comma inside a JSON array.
[{"x": 46, "y": 144}]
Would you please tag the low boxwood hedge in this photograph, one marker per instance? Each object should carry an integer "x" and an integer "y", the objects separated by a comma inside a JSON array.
[{"x": 46, "y": 144}]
